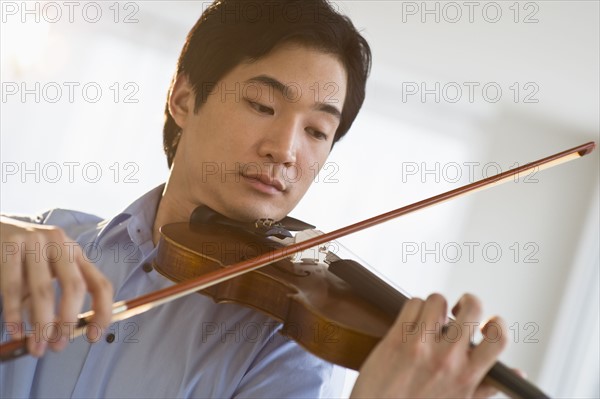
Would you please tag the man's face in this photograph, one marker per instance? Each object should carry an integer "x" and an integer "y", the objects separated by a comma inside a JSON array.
[{"x": 255, "y": 146}]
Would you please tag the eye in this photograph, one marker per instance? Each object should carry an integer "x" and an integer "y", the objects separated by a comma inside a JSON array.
[
  {"x": 316, "y": 134},
  {"x": 263, "y": 109}
]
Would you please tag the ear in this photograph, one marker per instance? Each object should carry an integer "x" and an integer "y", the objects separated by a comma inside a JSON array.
[{"x": 181, "y": 100}]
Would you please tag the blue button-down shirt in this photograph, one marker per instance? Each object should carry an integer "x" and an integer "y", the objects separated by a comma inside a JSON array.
[{"x": 191, "y": 347}]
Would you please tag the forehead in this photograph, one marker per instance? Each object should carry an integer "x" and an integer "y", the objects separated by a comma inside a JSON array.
[{"x": 319, "y": 75}]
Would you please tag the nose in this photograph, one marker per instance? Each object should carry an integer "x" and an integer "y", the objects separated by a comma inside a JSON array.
[{"x": 280, "y": 143}]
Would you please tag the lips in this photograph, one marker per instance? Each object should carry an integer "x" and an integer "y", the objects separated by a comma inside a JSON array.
[{"x": 266, "y": 180}]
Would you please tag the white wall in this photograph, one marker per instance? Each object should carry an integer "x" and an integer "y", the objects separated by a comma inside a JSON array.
[{"x": 553, "y": 219}]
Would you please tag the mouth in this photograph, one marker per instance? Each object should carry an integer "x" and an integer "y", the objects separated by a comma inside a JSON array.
[{"x": 265, "y": 183}]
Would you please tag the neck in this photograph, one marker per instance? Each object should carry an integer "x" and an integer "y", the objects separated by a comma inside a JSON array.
[{"x": 171, "y": 209}]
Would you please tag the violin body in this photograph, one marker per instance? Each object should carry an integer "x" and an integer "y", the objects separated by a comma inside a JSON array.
[
  {"x": 318, "y": 310},
  {"x": 338, "y": 312}
]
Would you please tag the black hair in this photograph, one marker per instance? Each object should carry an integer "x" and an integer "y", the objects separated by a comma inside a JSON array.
[{"x": 230, "y": 32}]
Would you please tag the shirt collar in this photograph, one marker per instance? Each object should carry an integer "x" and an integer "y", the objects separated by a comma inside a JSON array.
[{"x": 140, "y": 217}]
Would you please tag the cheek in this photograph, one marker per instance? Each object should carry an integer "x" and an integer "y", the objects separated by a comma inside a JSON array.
[
  {"x": 217, "y": 136},
  {"x": 294, "y": 174},
  {"x": 308, "y": 171}
]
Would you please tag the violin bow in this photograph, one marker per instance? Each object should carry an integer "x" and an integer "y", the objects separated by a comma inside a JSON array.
[{"x": 125, "y": 309}]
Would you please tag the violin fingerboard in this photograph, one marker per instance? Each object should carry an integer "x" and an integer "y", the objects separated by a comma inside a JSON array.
[
  {"x": 390, "y": 300},
  {"x": 369, "y": 286}
]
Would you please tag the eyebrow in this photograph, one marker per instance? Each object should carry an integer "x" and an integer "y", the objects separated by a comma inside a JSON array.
[{"x": 282, "y": 89}]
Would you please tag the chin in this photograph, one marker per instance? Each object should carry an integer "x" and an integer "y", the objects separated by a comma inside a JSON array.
[
  {"x": 251, "y": 212},
  {"x": 266, "y": 212}
]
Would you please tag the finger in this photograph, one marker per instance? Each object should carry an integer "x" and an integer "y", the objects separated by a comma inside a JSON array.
[
  {"x": 433, "y": 316},
  {"x": 520, "y": 373},
  {"x": 411, "y": 311},
  {"x": 11, "y": 290},
  {"x": 73, "y": 289},
  {"x": 101, "y": 291},
  {"x": 484, "y": 355},
  {"x": 41, "y": 291},
  {"x": 468, "y": 314},
  {"x": 406, "y": 323},
  {"x": 485, "y": 390}
]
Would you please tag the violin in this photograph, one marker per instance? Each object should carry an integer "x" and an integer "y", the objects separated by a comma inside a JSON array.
[{"x": 337, "y": 310}]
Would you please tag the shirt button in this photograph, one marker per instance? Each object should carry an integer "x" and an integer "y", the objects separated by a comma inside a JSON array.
[
  {"x": 147, "y": 267},
  {"x": 110, "y": 338}
]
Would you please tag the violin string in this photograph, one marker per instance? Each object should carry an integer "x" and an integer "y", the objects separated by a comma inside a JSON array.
[
  {"x": 122, "y": 311},
  {"x": 125, "y": 309}
]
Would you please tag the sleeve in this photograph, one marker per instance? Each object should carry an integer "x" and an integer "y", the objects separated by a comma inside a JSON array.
[
  {"x": 283, "y": 369},
  {"x": 72, "y": 222},
  {"x": 39, "y": 219}
]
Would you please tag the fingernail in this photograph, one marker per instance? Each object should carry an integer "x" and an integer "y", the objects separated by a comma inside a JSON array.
[
  {"x": 455, "y": 308},
  {"x": 60, "y": 344},
  {"x": 40, "y": 347}
]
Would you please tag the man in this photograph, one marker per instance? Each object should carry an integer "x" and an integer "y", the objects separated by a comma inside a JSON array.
[{"x": 265, "y": 99}]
